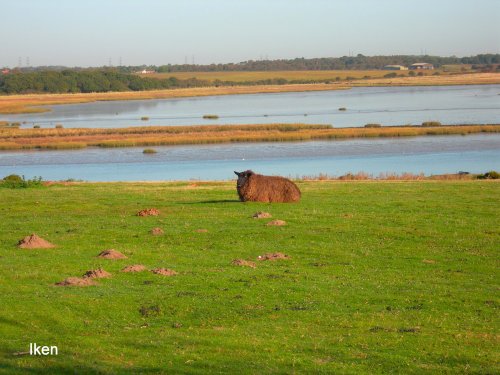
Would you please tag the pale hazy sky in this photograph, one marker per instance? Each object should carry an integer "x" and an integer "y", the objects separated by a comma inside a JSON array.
[{"x": 90, "y": 32}]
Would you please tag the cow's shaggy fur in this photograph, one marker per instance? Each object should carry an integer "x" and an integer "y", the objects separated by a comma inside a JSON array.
[{"x": 258, "y": 188}]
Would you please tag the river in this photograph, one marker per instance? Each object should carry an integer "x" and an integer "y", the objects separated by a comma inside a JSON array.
[
  {"x": 383, "y": 105},
  {"x": 475, "y": 153}
]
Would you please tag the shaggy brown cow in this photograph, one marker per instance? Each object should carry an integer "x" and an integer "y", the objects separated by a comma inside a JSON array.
[{"x": 258, "y": 188}]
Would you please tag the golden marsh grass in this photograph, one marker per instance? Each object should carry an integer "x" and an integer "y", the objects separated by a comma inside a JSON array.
[{"x": 11, "y": 139}]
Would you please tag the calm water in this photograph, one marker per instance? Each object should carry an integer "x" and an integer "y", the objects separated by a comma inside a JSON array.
[
  {"x": 384, "y": 105},
  {"x": 429, "y": 155}
]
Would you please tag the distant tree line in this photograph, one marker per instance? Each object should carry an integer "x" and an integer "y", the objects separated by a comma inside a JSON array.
[
  {"x": 359, "y": 62},
  {"x": 71, "y": 81},
  {"x": 75, "y": 80}
]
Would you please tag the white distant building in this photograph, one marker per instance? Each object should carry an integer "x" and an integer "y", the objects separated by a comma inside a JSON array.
[
  {"x": 146, "y": 71},
  {"x": 395, "y": 67},
  {"x": 418, "y": 66}
]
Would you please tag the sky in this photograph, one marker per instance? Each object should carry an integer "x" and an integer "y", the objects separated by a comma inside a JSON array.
[{"x": 153, "y": 32}]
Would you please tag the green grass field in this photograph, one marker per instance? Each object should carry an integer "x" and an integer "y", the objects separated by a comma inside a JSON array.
[
  {"x": 384, "y": 277},
  {"x": 300, "y": 75}
]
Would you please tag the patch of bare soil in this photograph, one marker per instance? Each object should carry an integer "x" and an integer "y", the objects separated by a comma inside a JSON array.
[
  {"x": 164, "y": 272},
  {"x": 202, "y": 230},
  {"x": 273, "y": 256},
  {"x": 77, "y": 281},
  {"x": 96, "y": 274},
  {"x": 111, "y": 254},
  {"x": 429, "y": 261},
  {"x": 134, "y": 268},
  {"x": 262, "y": 215},
  {"x": 34, "y": 242},
  {"x": 243, "y": 263},
  {"x": 278, "y": 223},
  {"x": 157, "y": 231},
  {"x": 149, "y": 212}
]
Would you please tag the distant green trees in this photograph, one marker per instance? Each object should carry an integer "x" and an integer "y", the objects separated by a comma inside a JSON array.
[
  {"x": 358, "y": 62},
  {"x": 72, "y": 81}
]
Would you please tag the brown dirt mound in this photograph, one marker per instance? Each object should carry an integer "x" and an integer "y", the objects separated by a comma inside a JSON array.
[
  {"x": 202, "y": 230},
  {"x": 276, "y": 223},
  {"x": 243, "y": 262},
  {"x": 149, "y": 212},
  {"x": 273, "y": 256},
  {"x": 134, "y": 268},
  {"x": 34, "y": 242},
  {"x": 111, "y": 254},
  {"x": 96, "y": 274},
  {"x": 164, "y": 272},
  {"x": 262, "y": 215},
  {"x": 157, "y": 231},
  {"x": 76, "y": 281}
]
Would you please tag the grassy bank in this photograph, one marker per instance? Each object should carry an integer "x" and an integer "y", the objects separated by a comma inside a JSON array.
[
  {"x": 12, "y": 139},
  {"x": 299, "y": 75},
  {"x": 12, "y": 104},
  {"x": 382, "y": 278}
]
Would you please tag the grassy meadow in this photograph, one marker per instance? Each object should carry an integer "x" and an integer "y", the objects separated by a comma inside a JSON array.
[
  {"x": 289, "y": 75},
  {"x": 59, "y": 138},
  {"x": 300, "y": 75},
  {"x": 383, "y": 277}
]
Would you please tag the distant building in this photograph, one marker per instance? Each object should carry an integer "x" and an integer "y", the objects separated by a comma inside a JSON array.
[
  {"x": 146, "y": 71},
  {"x": 395, "y": 67},
  {"x": 418, "y": 66}
]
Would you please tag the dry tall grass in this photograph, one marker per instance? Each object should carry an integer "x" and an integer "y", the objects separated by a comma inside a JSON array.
[{"x": 173, "y": 135}]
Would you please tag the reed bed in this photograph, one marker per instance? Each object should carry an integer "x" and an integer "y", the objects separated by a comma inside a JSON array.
[
  {"x": 177, "y": 135},
  {"x": 405, "y": 176}
]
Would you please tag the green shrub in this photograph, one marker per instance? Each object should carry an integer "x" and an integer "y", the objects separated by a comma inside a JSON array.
[
  {"x": 36, "y": 126},
  {"x": 491, "y": 175},
  {"x": 390, "y": 75},
  {"x": 59, "y": 126},
  {"x": 373, "y": 126},
  {"x": 15, "y": 181},
  {"x": 431, "y": 123},
  {"x": 210, "y": 117},
  {"x": 14, "y": 178},
  {"x": 149, "y": 151},
  {"x": 342, "y": 109},
  {"x": 144, "y": 118}
]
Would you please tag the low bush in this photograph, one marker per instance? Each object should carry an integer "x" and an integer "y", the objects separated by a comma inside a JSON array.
[
  {"x": 15, "y": 181},
  {"x": 149, "y": 151},
  {"x": 373, "y": 126},
  {"x": 144, "y": 118},
  {"x": 342, "y": 109},
  {"x": 210, "y": 117},
  {"x": 491, "y": 175},
  {"x": 431, "y": 123}
]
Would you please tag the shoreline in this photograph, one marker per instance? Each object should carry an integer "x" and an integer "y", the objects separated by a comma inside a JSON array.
[
  {"x": 31, "y": 103},
  {"x": 79, "y": 138},
  {"x": 200, "y": 184}
]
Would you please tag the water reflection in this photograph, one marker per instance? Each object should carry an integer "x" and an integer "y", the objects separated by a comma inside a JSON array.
[
  {"x": 429, "y": 155},
  {"x": 384, "y": 105}
]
